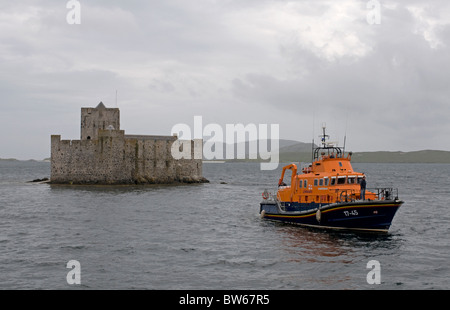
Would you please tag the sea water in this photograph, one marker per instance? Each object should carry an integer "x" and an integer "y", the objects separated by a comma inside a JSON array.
[{"x": 210, "y": 236}]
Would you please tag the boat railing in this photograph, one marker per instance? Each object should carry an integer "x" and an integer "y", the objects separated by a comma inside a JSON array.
[
  {"x": 377, "y": 193},
  {"x": 305, "y": 167},
  {"x": 346, "y": 195},
  {"x": 270, "y": 196},
  {"x": 384, "y": 193}
]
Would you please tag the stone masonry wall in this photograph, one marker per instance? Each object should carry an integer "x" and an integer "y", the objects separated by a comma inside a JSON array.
[
  {"x": 116, "y": 158},
  {"x": 95, "y": 119}
]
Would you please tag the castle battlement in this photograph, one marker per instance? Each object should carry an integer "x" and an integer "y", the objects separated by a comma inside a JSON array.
[{"x": 106, "y": 155}]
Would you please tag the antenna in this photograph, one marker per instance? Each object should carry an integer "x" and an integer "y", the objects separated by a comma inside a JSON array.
[
  {"x": 324, "y": 136},
  {"x": 312, "y": 144},
  {"x": 345, "y": 134}
]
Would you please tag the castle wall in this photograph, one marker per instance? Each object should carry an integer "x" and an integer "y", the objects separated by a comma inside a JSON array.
[
  {"x": 116, "y": 158},
  {"x": 105, "y": 155},
  {"x": 192, "y": 167},
  {"x": 94, "y": 119},
  {"x": 90, "y": 161}
]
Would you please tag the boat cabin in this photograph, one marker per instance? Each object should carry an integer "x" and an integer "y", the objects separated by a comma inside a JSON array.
[{"x": 329, "y": 179}]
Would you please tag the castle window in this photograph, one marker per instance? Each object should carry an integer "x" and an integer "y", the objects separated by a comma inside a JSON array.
[{"x": 89, "y": 137}]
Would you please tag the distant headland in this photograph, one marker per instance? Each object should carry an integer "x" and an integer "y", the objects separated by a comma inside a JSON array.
[
  {"x": 424, "y": 156},
  {"x": 294, "y": 151},
  {"x": 31, "y": 160}
]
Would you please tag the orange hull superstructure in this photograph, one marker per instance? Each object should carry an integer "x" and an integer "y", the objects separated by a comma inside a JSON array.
[{"x": 329, "y": 179}]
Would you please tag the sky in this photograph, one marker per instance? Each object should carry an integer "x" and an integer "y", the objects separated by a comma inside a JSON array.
[{"x": 378, "y": 75}]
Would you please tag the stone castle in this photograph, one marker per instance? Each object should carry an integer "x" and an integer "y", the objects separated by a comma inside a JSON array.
[{"x": 106, "y": 155}]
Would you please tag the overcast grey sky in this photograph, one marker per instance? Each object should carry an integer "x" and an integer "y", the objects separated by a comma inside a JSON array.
[{"x": 293, "y": 63}]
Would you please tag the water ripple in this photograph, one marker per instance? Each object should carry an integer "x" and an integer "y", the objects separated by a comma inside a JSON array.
[{"x": 210, "y": 236}]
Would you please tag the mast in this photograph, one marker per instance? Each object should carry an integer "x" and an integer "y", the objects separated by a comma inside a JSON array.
[
  {"x": 326, "y": 146},
  {"x": 324, "y": 136}
]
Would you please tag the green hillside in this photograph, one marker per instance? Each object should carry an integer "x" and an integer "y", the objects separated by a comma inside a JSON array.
[
  {"x": 426, "y": 156},
  {"x": 8, "y": 159}
]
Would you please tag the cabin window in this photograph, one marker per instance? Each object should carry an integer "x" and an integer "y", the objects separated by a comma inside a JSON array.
[
  {"x": 326, "y": 180},
  {"x": 321, "y": 182},
  {"x": 305, "y": 183},
  {"x": 351, "y": 180},
  {"x": 300, "y": 183},
  {"x": 341, "y": 180},
  {"x": 340, "y": 164},
  {"x": 315, "y": 182},
  {"x": 333, "y": 181},
  {"x": 360, "y": 179}
]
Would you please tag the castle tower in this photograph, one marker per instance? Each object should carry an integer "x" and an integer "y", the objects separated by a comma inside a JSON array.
[{"x": 101, "y": 117}]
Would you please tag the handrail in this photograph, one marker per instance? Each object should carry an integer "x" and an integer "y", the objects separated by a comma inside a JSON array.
[
  {"x": 380, "y": 193},
  {"x": 278, "y": 201},
  {"x": 385, "y": 193},
  {"x": 346, "y": 195}
]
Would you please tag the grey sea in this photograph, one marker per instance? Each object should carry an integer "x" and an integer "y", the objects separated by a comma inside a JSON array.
[{"x": 210, "y": 236}]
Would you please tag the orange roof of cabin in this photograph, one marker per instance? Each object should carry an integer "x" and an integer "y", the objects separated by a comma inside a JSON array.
[{"x": 332, "y": 165}]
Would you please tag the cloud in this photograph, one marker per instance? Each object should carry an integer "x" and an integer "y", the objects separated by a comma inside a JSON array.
[
  {"x": 391, "y": 82},
  {"x": 295, "y": 63}
]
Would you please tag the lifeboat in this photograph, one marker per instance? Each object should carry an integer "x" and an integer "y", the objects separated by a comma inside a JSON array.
[{"x": 329, "y": 194}]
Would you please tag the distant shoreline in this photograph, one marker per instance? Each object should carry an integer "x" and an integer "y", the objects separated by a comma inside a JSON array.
[
  {"x": 32, "y": 160},
  {"x": 420, "y": 157},
  {"x": 423, "y": 156}
]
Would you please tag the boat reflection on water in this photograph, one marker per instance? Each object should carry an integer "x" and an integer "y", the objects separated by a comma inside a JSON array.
[{"x": 329, "y": 258}]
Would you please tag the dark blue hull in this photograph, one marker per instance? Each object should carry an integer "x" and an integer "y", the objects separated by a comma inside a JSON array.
[{"x": 357, "y": 215}]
